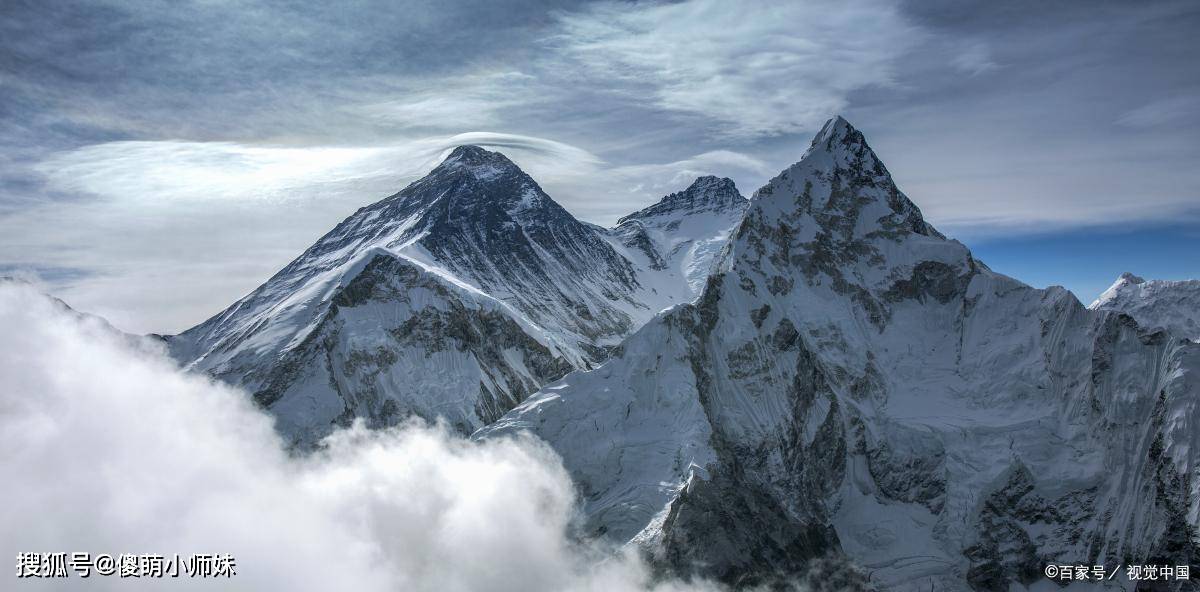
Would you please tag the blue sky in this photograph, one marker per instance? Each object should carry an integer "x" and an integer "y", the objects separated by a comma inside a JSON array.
[
  {"x": 160, "y": 159},
  {"x": 1088, "y": 261}
]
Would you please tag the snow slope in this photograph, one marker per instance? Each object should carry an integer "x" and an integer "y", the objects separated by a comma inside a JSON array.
[
  {"x": 852, "y": 383},
  {"x": 1158, "y": 304}
]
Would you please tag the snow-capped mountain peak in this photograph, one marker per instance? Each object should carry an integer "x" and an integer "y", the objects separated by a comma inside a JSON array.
[
  {"x": 473, "y": 184},
  {"x": 1130, "y": 278},
  {"x": 1114, "y": 291},
  {"x": 707, "y": 193},
  {"x": 481, "y": 163},
  {"x": 679, "y": 238},
  {"x": 470, "y": 155},
  {"x": 1156, "y": 304},
  {"x": 862, "y": 197}
]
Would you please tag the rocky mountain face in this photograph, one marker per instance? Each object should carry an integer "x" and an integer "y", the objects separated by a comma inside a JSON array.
[
  {"x": 454, "y": 298},
  {"x": 1156, "y": 304},
  {"x": 850, "y": 384}
]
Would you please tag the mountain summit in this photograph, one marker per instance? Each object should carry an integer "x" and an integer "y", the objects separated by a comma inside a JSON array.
[
  {"x": 681, "y": 236},
  {"x": 472, "y": 156},
  {"x": 706, "y": 193},
  {"x": 1158, "y": 304}
]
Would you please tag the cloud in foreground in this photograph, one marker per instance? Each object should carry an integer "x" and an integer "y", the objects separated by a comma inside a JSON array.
[{"x": 109, "y": 449}]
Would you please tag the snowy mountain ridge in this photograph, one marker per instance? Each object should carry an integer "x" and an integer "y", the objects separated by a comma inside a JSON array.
[
  {"x": 1156, "y": 304},
  {"x": 451, "y": 299},
  {"x": 679, "y": 238}
]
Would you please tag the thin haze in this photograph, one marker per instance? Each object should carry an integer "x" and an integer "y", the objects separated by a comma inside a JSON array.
[{"x": 160, "y": 159}]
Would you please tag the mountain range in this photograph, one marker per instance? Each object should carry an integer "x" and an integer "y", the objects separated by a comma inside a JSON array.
[
  {"x": 746, "y": 389},
  {"x": 455, "y": 299}
]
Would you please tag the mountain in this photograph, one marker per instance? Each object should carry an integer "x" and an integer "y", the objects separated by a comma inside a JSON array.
[
  {"x": 851, "y": 384},
  {"x": 1158, "y": 304},
  {"x": 678, "y": 238},
  {"x": 454, "y": 298}
]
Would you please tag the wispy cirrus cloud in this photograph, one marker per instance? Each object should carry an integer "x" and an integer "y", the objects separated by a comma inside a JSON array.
[
  {"x": 1160, "y": 112},
  {"x": 974, "y": 59},
  {"x": 467, "y": 101},
  {"x": 748, "y": 70}
]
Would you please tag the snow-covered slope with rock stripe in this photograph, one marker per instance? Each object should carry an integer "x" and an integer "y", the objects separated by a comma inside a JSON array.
[{"x": 852, "y": 383}]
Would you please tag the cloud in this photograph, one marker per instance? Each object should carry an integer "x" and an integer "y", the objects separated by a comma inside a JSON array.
[
  {"x": 1050, "y": 196},
  {"x": 1161, "y": 112},
  {"x": 754, "y": 69},
  {"x": 153, "y": 174},
  {"x": 109, "y": 449},
  {"x": 459, "y": 102},
  {"x": 161, "y": 173},
  {"x": 974, "y": 59}
]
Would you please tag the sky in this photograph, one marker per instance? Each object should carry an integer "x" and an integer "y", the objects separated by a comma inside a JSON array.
[{"x": 158, "y": 160}]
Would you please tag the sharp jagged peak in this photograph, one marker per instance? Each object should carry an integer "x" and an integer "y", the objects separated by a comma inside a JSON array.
[
  {"x": 473, "y": 181},
  {"x": 706, "y": 193},
  {"x": 841, "y": 145},
  {"x": 472, "y": 178},
  {"x": 840, "y": 177},
  {"x": 1173, "y": 305},
  {"x": 835, "y": 129},
  {"x": 1114, "y": 291}
]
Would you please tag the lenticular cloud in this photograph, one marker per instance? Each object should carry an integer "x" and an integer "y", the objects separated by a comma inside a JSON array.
[{"x": 108, "y": 448}]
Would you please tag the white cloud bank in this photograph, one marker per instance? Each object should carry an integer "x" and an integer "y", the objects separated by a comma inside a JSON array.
[{"x": 108, "y": 448}]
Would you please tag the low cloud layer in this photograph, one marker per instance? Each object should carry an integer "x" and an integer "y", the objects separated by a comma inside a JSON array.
[{"x": 109, "y": 449}]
